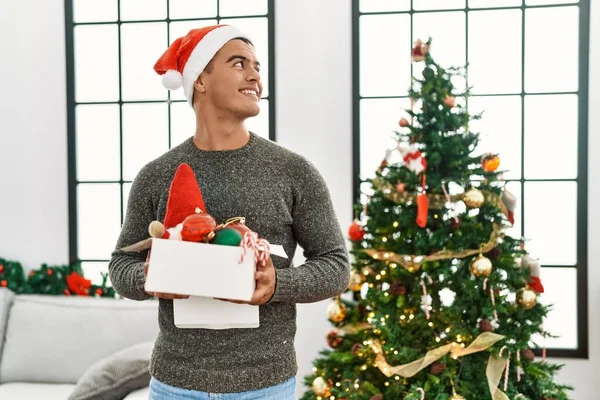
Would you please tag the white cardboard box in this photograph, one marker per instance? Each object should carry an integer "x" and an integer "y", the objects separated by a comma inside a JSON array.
[{"x": 205, "y": 272}]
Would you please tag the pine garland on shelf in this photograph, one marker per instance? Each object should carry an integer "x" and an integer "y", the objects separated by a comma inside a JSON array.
[{"x": 66, "y": 280}]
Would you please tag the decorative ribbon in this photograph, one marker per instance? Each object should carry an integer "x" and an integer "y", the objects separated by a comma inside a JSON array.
[
  {"x": 261, "y": 247},
  {"x": 407, "y": 260},
  {"x": 482, "y": 342}
]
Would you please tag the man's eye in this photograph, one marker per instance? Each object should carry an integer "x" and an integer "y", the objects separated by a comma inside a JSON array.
[{"x": 240, "y": 63}]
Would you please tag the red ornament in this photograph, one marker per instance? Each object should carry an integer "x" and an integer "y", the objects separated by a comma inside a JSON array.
[
  {"x": 49, "y": 272},
  {"x": 403, "y": 122},
  {"x": 422, "y": 209},
  {"x": 1, "y": 268},
  {"x": 31, "y": 273},
  {"x": 78, "y": 285},
  {"x": 356, "y": 231},
  {"x": 197, "y": 226},
  {"x": 417, "y": 52},
  {"x": 67, "y": 292},
  {"x": 333, "y": 339},
  {"x": 99, "y": 292},
  {"x": 450, "y": 101},
  {"x": 3, "y": 283},
  {"x": 400, "y": 187}
]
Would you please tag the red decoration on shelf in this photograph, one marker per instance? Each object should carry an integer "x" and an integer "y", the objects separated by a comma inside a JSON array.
[
  {"x": 49, "y": 271},
  {"x": 67, "y": 292},
  {"x": 78, "y": 285},
  {"x": 3, "y": 283},
  {"x": 1, "y": 268},
  {"x": 99, "y": 291}
]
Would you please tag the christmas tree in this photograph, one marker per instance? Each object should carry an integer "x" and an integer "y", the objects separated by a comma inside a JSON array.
[{"x": 443, "y": 303}]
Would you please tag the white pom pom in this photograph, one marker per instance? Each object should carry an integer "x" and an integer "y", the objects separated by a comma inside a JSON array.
[{"x": 172, "y": 79}]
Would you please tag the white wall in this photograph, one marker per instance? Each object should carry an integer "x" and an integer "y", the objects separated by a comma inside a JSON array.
[
  {"x": 33, "y": 142},
  {"x": 313, "y": 56}
]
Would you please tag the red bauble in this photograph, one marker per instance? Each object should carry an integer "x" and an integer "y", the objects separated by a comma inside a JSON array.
[
  {"x": 99, "y": 292},
  {"x": 1, "y": 268},
  {"x": 66, "y": 292},
  {"x": 356, "y": 231},
  {"x": 450, "y": 101},
  {"x": 403, "y": 123},
  {"x": 333, "y": 339},
  {"x": 197, "y": 226},
  {"x": 3, "y": 283},
  {"x": 50, "y": 272}
]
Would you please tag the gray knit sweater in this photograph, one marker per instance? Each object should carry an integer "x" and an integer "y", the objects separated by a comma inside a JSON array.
[{"x": 285, "y": 200}]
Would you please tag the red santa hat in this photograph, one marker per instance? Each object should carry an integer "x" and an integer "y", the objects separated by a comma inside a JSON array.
[{"x": 186, "y": 58}]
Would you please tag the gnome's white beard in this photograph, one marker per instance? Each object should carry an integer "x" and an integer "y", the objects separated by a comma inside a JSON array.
[{"x": 175, "y": 232}]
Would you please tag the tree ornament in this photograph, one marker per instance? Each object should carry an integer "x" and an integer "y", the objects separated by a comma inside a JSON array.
[
  {"x": 450, "y": 101},
  {"x": 403, "y": 122},
  {"x": 49, "y": 271},
  {"x": 333, "y": 339},
  {"x": 533, "y": 265},
  {"x": 485, "y": 326},
  {"x": 473, "y": 198},
  {"x": 4, "y": 283},
  {"x": 227, "y": 237},
  {"x": 99, "y": 292},
  {"x": 357, "y": 350},
  {"x": 436, "y": 368},
  {"x": 413, "y": 158},
  {"x": 356, "y": 231},
  {"x": 495, "y": 253},
  {"x": 336, "y": 311},
  {"x": 397, "y": 288},
  {"x": 378, "y": 396},
  {"x": 417, "y": 53},
  {"x": 528, "y": 355},
  {"x": 527, "y": 298},
  {"x": 490, "y": 162},
  {"x": 196, "y": 227},
  {"x": 1, "y": 268},
  {"x": 481, "y": 266},
  {"x": 67, "y": 292},
  {"x": 356, "y": 281},
  {"x": 510, "y": 202},
  {"x": 400, "y": 187},
  {"x": 320, "y": 387}
]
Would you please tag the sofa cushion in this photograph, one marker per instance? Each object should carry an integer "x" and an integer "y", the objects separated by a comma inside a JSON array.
[
  {"x": 117, "y": 375},
  {"x": 55, "y": 339},
  {"x": 7, "y": 297},
  {"x": 35, "y": 391},
  {"x": 141, "y": 394}
]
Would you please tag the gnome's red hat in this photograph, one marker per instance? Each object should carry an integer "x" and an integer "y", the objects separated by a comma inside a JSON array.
[
  {"x": 185, "y": 197},
  {"x": 186, "y": 58}
]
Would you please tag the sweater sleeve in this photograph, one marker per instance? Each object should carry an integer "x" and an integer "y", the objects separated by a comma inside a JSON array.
[
  {"x": 326, "y": 272},
  {"x": 126, "y": 270}
]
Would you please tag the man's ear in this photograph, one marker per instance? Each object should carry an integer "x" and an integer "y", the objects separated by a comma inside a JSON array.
[{"x": 200, "y": 84}]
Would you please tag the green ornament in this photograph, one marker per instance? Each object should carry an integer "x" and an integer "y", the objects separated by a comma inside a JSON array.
[
  {"x": 400, "y": 301},
  {"x": 227, "y": 237}
]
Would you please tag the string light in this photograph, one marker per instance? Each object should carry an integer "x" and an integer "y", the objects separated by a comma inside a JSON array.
[
  {"x": 403, "y": 317},
  {"x": 384, "y": 239},
  {"x": 395, "y": 224},
  {"x": 394, "y": 265},
  {"x": 430, "y": 324},
  {"x": 382, "y": 272},
  {"x": 412, "y": 316},
  {"x": 364, "y": 367},
  {"x": 387, "y": 384},
  {"x": 378, "y": 277},
  {"x": 338, "y": 384}
]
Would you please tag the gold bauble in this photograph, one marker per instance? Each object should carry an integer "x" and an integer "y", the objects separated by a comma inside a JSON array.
[
  {"x": 481, "y": 266},
  {"x": 457, "y": 397},
  {"x": 356, "y": 281},
  {"x": 320, "y": 387},
  {"x": 336, "y": 312},
  {"x": 527, "y": 298},
  {"x": 473, "y": 198}
]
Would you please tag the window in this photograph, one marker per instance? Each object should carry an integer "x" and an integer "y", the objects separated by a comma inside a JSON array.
[
  {"x": 528, "y": 63},
  {"x": 119, "y": 115}
]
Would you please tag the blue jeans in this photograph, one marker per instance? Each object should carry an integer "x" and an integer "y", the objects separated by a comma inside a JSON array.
[{"x": 283, "y": 391}]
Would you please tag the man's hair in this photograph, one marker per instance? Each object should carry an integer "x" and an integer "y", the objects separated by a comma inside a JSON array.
[{"x": 210, "y": 66}]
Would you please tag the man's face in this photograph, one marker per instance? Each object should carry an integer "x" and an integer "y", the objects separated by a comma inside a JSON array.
[{"x": 232, "y": 80}]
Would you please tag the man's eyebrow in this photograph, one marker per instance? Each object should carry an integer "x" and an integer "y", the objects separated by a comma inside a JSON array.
[{"x": 234, "y": 57}]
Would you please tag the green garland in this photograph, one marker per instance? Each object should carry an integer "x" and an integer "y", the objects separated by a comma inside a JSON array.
[{"x": 54, "y": 280}]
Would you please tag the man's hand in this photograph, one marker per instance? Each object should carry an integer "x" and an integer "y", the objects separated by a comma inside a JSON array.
[
  {"x": 265, "y": 284},
  {"x": 166, "y": 296}
]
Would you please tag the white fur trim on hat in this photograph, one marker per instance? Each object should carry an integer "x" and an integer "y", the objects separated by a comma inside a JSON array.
[{"x": 204, "y": 51}]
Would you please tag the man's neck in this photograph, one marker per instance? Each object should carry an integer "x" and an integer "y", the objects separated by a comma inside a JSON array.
[{"x": 215, "y": 134}]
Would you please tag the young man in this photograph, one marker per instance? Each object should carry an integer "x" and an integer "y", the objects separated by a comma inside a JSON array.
[{"x": 283, "y": 198}]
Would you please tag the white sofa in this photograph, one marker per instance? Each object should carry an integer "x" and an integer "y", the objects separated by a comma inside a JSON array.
[{"x": 49, "y": 342}]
